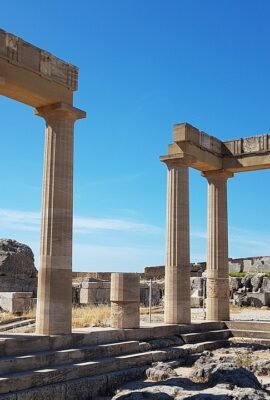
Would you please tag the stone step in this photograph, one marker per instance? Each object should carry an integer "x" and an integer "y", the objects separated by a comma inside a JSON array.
[
  {"x": 249, "y": 325},
  {"x": 50, "y": 358},
  {"x": 16, "y": 324},
  {"x": 15, "y": 319},
  {"x": 250, "y": 334},
  {"x": 89, "y": 379},
  {"x": 87, "y": 388},
  {"x": 12, "y": 344},
  {"x": 62, "y": 373},
  {"x": 204, "y": 326},
  {"x": 257, "y": 341},
  {"x": 23, "y": 344},
  {"x": 206, "y": 336}
]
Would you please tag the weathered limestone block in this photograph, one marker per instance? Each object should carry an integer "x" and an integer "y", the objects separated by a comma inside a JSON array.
[
  {"x": 256, "y": 282},
  {"x": 95, "y": 293},
  {"x": 196, "y": 301},
  {"x": 266, "y": 285},
  {"x": 15, "y": 49},
  {"x": 125, "y": 300},
  {"x": 17, "y": 268},
  {"x": 235, "y": 283},
  {"x": 15, "y": 302},
  {"x": 246, "y": 282},
  {"x": 196, "y": 284},
  {"x": 258, "y": 299}
]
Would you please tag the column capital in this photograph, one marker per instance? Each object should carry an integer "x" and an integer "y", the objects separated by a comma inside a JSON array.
[
  {"x": 60, "y": 110},
  {"x": 217, "y": 175},
  {"x": 180, "y": 160}
]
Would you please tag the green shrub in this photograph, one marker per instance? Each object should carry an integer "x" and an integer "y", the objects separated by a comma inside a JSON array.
[{"x": 237, "y": 274}]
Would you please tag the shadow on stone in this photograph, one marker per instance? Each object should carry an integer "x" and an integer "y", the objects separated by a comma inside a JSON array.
[{"x": 240, "y": 377}]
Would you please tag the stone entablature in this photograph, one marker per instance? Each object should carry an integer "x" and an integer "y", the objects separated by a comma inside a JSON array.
[
  {"x": 188, "y": 133},
  {"x": 204, "y": 152},
  {"x": 17, "y": 51},
  {"x": 254, "y": 144}
]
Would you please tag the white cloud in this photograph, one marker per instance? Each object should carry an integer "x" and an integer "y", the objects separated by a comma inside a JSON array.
[
  {"x": 19, "y": 220},
  {"x": 198, "y": 234},
  {"x": 86, "y": 225},
  {"x": 246, "y": 243},
  {"x": 30, "y": 221},
  {"x": 115, "y": 258}
]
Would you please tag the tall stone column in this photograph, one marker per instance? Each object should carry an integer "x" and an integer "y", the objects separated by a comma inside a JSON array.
[
  {"x": 54, "y": 304},
  {"x": 217, "y": 250},
  {"x": 177, "y": 269}
]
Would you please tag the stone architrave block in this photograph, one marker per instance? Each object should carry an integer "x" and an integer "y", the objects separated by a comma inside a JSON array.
[
  {"x": 125, "y": 300},
  {"x": 15, "y": 302}
]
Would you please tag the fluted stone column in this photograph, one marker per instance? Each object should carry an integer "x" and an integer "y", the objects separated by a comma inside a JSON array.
[
  {"x": 54, "y": 304},
  {"x": 177, "y": 269},
  {"x": 217, "y": 251}
]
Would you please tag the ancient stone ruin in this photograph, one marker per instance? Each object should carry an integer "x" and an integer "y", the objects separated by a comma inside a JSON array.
[
  {"x": 56, "y": 363},
  {"x": 17, "y": 268}
]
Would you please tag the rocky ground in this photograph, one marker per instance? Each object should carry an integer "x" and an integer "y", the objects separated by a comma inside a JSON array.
[{"x": 241, "y": 372}]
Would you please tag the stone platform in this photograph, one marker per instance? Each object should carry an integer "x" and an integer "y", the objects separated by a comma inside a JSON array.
[{"x": 91, "y": 363}]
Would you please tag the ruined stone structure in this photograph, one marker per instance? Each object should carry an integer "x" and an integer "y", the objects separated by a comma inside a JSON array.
[
  {"x": 37, "y": 78},
  {"x": 217, "y": 161},
  {"x": 125, "y": 300},
  {"x": 17, "y": 269}
]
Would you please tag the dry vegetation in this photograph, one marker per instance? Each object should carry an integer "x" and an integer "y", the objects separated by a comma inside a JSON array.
[
  {"x": 154, "y": 310},
  {"x": 83, "y": 317},
  {"x": 6, "y": 317}
]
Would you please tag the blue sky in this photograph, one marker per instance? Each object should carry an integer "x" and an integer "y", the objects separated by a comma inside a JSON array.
[{"x": 144, "y": 66}]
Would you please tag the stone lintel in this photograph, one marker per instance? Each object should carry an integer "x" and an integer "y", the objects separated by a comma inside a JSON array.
[
  {"x": 185, "y": 132},
  {"x": 25, "y": 55},
  {"x": 68, "y": 110},
  {"x": 249, "y": 145},
  {"x": 207, "y": 153},
  {"x": 193, "y": 156}
]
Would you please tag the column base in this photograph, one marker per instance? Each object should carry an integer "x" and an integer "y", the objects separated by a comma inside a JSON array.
[
  {"x": 125, "y": 315},
  {"x": 177, "y": 295},
  {"x": 179, "y": 315},
  {"x": 218, "y": 309},
  {"x": 54, "y": 303}
]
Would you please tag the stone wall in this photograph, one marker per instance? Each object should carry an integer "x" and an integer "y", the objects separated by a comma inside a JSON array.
[
  {"x": 101, "y": 276},
  {"x": 250, "y": 264}
]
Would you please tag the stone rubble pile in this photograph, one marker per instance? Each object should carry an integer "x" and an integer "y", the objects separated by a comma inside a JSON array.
[{"x": 230, "y": 376}]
